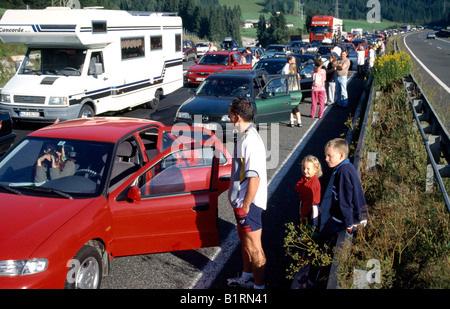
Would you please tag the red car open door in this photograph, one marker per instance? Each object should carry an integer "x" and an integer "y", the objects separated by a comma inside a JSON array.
[{"x": 170, "y": 203}]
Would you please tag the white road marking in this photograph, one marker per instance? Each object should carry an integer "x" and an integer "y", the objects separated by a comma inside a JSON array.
[{"x": 425, "y": 68}]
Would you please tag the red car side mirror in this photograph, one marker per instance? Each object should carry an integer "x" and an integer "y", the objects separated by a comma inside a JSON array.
[{"x": 134, "y": 193}]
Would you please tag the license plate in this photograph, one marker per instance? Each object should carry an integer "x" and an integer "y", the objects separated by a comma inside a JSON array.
[
  {"x": 29, "y": 114},
  {"x": 199, "y": 79},
  {"x": 209, "y": 126}
]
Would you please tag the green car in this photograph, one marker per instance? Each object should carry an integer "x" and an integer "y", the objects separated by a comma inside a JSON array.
[{"x": 273, "y": 96}]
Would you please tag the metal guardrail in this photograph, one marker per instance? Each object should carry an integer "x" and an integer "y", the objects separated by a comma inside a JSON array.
[
  {"x": 434, "y": 134},
  {"x": 438, "y": 140}
]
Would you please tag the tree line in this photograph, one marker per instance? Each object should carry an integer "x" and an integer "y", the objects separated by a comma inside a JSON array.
[
  {"x": 405, "y": 11},
  {"x": 206, "y": 18}
]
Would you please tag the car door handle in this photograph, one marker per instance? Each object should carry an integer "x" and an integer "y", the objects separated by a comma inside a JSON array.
[
  {"x": 286, "y": 103},
  {"x": 201, "y": 207},
  {"x": 225, "y": 178}
]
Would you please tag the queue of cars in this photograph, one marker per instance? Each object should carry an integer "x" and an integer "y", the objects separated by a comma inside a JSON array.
[{"x": 125, "y": 186}]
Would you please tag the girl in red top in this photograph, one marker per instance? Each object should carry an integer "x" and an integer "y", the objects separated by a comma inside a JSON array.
[{"x": 308, "y": 189}]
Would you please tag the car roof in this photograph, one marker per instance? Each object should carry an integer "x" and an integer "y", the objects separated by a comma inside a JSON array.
[
  {"x": 104, "y": 129},
  {"x": 240, "y": 73},
  {"x": 279, "y": 59},
  {"x": 223, "y": 52}
]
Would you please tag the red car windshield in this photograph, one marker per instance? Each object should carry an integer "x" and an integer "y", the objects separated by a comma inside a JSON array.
[
  {"x": 71, "y": 168},
  {"x": 214, "y": 59}
]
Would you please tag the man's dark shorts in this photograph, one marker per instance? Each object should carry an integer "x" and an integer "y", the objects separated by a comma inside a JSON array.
[{"x": 251, "y": 221}]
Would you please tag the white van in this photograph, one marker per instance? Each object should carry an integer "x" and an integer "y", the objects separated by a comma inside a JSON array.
[{"x": 85, "y": 62}]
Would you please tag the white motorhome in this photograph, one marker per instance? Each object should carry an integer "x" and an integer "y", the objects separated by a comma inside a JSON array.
[{"x": 84, "y": 62}]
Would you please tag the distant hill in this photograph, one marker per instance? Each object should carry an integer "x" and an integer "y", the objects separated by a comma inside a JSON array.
[{"x": 401, "y": 11}]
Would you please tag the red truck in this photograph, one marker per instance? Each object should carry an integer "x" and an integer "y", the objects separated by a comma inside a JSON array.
[{"x": 325, "y": 27}]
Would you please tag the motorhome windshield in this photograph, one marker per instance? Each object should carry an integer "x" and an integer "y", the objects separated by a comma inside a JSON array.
[{"x": 53, "y": 61}]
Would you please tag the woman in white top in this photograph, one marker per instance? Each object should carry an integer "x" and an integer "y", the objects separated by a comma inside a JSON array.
[{"x": 361, "y": 54}]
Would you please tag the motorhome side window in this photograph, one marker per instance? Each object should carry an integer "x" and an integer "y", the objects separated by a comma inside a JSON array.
[
  {"x": 96, "y": 66},
  {"x": 132, "y": 48},
  {"x": 53, "y": 61},
  {"x": 155, "y": 42},
  {"x": 177, "y": 42}
]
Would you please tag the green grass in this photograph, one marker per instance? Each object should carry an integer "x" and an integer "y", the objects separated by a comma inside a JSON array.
[{"x": 251, "y": 10}]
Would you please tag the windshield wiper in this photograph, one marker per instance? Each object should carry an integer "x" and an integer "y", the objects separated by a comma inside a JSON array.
[
  {"x": 8, "y": 188},
  {"x": 51, "y": 190}
]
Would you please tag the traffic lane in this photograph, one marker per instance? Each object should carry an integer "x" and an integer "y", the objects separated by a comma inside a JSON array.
[
  {"x": 437, "y": 95},
  {"x": 434, "y": 54}
]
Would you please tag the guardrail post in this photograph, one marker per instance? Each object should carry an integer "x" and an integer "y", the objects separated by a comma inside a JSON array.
[{"x": 434, "y": 142}]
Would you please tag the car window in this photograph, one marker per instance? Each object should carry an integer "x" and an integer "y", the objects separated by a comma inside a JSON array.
[
  {"x": 149, "y": 138},
  {"x": 271, "y": 67},
  {"x": 277, "y": 87},
  {"x": 182, "y": 171},
  {"x": 127, "y": 160},
  {"x": 214, "y": 59},
  {"x": 226, "y": 87},
  {"x": 80, "y": 166}
]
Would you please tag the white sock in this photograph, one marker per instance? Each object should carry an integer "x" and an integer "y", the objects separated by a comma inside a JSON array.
[{"x": 259, "y": 287}]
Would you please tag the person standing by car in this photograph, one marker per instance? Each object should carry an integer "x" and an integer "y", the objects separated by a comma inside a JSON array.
[
  {"x": 295, "y": 114},
  {"x": 289, "y": 60},
  {"x": 342, "y": 67},
  {"x": 372, "y": 55},
  {"x": 318, "y": 89},
  {"x": 247, "y": 57},
  {"x": 360, "y": 62},
  {"x": 330, "y": 83},
  {"x": 212, "y": 47},
  {"x": 248, "y": 194}
]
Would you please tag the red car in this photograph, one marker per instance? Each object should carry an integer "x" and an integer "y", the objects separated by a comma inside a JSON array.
[
  {"x": 364, "y": 45},
  {"x": 214, "y": 61},
  {"x": 78, "y": 193}
]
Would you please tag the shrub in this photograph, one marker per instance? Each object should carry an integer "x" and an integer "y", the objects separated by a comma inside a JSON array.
[
  {"x": 390, "y": 68},
  {"x": 408, "y": 232}
]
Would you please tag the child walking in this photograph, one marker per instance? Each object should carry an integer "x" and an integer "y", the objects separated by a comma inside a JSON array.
[
  {"x": 319, "y": 77},
  {"x": 308, "y": 189}
]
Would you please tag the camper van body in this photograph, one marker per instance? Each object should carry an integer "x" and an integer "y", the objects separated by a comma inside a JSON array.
[{"x": 85, "y": 62}]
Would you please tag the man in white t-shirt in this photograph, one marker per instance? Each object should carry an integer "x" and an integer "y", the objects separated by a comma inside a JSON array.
[
  {"x": 337, "y": 50},
  {"x": 248, "y": 193},
  {"x": 290, "y": 59}
]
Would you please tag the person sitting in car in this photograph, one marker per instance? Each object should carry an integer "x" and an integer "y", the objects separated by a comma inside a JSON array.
[{"x": 53, "y": 164}]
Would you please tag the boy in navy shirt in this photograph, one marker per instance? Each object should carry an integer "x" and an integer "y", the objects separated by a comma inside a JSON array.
[{"x": 348, "y": 197}]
